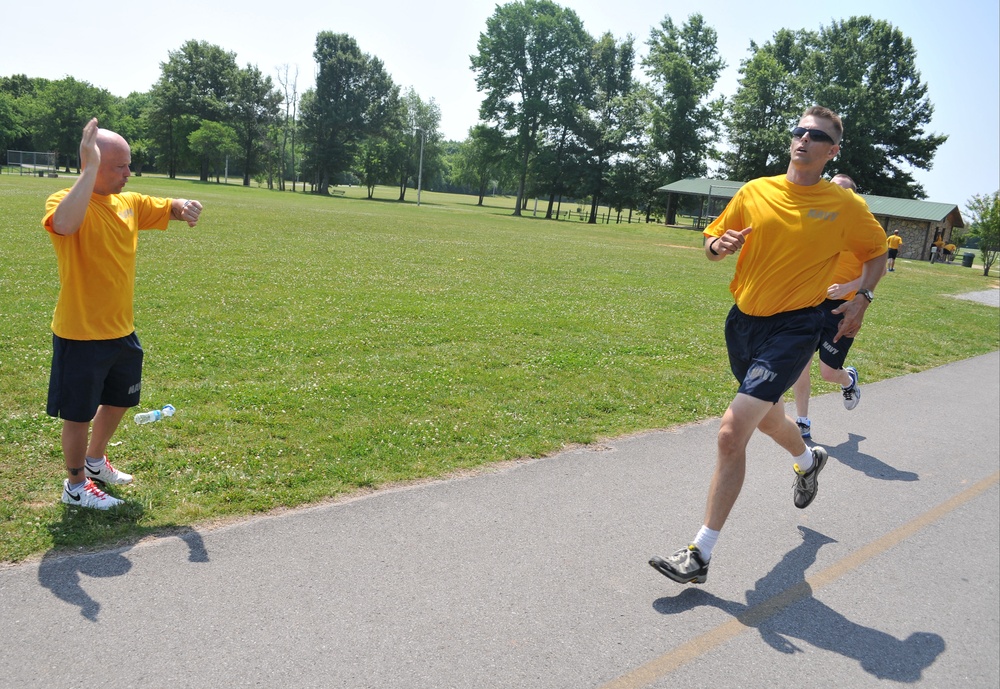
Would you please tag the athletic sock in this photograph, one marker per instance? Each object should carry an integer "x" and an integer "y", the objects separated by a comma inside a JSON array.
[
  {"x": 705, "y": 542},
  {"x": 804, "y": 462},
  {"x": 95, "y": 463},
  {"x": 73, "y": 487}
]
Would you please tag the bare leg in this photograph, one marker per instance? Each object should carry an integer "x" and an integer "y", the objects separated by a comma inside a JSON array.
[
  {"x": 738, "y": 424},
  {"x": 834, "y": 375},
  {"x": 105, "y": 424},
  {"x": 74, "y": 445},
  {"x": 783, "y": 430},
  {"x": 802, "y": 388}
]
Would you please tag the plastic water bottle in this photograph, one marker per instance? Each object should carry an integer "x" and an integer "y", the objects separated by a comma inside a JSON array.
[{"x": 154, "y": 415}]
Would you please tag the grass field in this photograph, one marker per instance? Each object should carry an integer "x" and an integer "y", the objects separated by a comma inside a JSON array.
[{"x": 315, "y": 346}]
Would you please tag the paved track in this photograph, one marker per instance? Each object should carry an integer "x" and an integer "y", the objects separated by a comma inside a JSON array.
[{"x": 535, "y": 575}]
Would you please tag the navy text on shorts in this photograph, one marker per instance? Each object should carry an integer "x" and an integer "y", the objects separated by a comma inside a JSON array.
[
  {"x": 88, "y": 373},
  {"x": 767, "y": 353}
]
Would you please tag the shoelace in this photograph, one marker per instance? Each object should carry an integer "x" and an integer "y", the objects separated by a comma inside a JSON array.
[{"x": 92, "y": 488}]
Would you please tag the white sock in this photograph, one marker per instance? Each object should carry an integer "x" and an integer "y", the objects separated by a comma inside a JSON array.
[
  {"x": 705, "y": 542},
  {"x": 95, "y": 463},
  {"x": 805, "y": 461}
]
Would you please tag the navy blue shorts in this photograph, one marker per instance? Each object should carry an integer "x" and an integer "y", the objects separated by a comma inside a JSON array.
[
  {"x": 88, "y": 373},
  {"x": 831, "y": 353},
  {"x": 767, "y": 353}
]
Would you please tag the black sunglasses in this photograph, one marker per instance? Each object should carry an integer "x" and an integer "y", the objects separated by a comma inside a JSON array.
[{"x": 814, "y": 135}]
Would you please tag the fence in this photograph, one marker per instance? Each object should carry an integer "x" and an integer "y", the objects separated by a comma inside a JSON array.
[{"x": 32, "y": 162}]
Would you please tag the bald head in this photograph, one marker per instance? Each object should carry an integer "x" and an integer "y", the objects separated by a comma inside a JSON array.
[{"x": 116, "y": 156}]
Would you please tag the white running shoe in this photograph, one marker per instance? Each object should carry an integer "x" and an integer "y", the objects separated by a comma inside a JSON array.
[
  {"x": 852, "y": 393},
  {"x": 109, "y": 476},
  {"x": 89, "y": 495}
]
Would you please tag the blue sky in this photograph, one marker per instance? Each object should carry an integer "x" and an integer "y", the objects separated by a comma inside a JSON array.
[{"x": 427, "y": 46}]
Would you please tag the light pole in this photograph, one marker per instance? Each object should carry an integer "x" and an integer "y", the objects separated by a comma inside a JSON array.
[{"x": 420, "y": 169}]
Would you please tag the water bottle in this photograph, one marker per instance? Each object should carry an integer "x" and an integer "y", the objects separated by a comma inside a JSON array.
[{"x": 154, "y": 415}]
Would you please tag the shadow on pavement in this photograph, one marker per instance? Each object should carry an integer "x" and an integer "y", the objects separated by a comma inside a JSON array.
[
  {"x": 767, "y": 610},
  {"x": 63, "y": 574},
  {"x": 849, "y": 454}
]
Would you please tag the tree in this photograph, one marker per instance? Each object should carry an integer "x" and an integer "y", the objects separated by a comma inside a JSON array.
[
  {"x": 255, "y": 108},
  {"x": 10, "y": 122},
  {"x": 194, "y": 86},
  {"x": 684, "y": 65},
  {"x": 482, "y": 160},
  {"x": 863, "y": 69},
  {"x": 613, "y": 119},
  {"x": 60, "y": 111},
  {"x": 758, "y": 115},
  {"x": 985, "y": 213},
  {"x": 213, "y": 142},
  {"x": 354, "y": 98},
  {"x": 526, "y": 57},
  {"x": 291, "y": 101}
]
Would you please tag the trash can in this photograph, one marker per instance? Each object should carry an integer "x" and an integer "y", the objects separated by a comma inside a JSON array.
[{"x": 967, "y": 259}]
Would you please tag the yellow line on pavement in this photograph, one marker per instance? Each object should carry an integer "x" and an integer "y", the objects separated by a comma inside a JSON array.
[{"x": 659, "y": 668}]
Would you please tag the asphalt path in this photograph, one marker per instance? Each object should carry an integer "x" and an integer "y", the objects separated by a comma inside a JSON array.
[{"x": 535, "y": 574}]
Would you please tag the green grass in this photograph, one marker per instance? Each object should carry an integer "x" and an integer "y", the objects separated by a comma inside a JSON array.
[{"x": 315, "y": 346}]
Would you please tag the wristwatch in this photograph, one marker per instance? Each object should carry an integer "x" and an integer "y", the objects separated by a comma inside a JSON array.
[{"x": 867, "y": 294}]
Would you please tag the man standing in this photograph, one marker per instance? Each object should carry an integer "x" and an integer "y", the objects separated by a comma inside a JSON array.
[
  {"x": 96, "y": 356},
  {"x": 789, "y": 231},
  {"x": 894, "y": 241},
  {"x": 832, "y": 356}
]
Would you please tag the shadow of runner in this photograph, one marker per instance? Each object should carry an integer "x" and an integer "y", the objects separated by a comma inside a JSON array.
[
  {"x": 767, "y": 610},
  {"x": 60, "y": 572},
  {"x": 849, "y": 454}
]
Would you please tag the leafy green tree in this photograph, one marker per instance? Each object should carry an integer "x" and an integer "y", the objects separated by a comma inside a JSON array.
[
  {"x": 61, "y": 109},
  {"x": 194, "y": 85},
  {"x": 482, "y": 160},
  {"x": 758, "y": 115},
  {"x": 526, "y": 57},
  {"x": 354, "y": 98},
  {"x": 374, "y": 162},
  {"x": 417, "y": 127},
  {"x": 613, "y": 119},
  {"x": 11, "y": 128},
  {"x": 255, "y": 108},
  {"x": 683, "y": 65},
  {"x": 863, "y": 69},
  {"x": 213, "y": 142},
  {"x": 984, "y": 210}
]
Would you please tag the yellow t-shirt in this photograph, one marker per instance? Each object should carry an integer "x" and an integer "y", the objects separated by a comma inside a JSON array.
[
  {"x": 894, "y": 241},
  {"x": 97, "y": 263},
  {"x": 790, "y": 256}
]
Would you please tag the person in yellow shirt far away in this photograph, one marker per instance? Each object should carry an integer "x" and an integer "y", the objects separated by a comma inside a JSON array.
[{"x": 894, "y": 241}]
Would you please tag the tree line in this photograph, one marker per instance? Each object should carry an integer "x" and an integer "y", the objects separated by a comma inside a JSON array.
[{"x": 564, "y": 116}]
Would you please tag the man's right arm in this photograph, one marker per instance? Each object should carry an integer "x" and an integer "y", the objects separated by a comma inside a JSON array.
[{"x": 72, "y": 209}]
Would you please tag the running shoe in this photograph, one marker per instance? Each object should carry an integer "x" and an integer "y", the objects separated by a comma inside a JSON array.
[
  {"x": 805, "y": 427},
  {"x": 89, "y": 495},
  {"x": 807, "y": 483},
  {"x": 107, "y": 475},
  {"x": 686, "y": 566},
  {"x": 852, "y": 393}
]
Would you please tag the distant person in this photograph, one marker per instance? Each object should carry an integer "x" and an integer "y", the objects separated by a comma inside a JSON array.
[
  {"x": 937, "y": 249},
  {"x": 789, "y": 231},
  {"x": 949, "y": 252},
  {"x": 96, "y": 357},
  {"x": 832, "y": 355},
  {"x": 894, "y": 241}
]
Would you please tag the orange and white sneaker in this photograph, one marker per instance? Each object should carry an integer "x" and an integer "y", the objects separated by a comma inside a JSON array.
[
  {"x": 89, "y": 495},
  {"x": 107, "y": 475}
]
